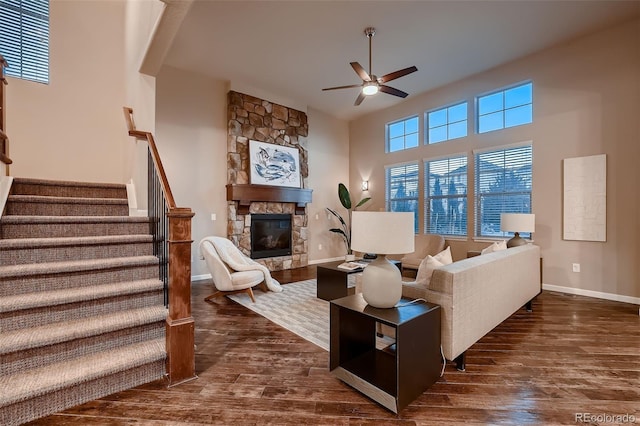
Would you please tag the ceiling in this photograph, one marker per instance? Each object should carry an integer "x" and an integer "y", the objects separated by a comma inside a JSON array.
[{"x": 296, "y": 48}]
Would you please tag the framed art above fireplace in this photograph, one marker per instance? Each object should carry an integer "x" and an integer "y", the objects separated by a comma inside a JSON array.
[{"x": 273, "y": 164}]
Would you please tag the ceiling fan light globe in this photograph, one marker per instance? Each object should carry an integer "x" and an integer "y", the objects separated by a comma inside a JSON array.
[{"x": 370, "y": 89}]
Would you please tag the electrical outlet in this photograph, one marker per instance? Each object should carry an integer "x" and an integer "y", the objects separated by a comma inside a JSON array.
[
  {"x": 576, "y": 267},
  {"x": 213, "y": 216},
  {"x": 319, "y": 246}
]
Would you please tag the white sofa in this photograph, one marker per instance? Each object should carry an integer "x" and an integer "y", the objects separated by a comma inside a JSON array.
[{"x": 478, "y": 293}]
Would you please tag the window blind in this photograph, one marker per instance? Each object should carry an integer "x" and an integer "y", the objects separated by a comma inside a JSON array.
[
  {"x": 24, "y": 38},
  {"x": 503, "y": 185},
  {"x": 445, "y": 202},
  {"x": 401, "y": 189}
]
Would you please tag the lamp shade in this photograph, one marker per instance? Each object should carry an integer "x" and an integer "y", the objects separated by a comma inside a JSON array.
[
  {"x": 382, "y": 232},
  {"x": 517, "y": 222}
]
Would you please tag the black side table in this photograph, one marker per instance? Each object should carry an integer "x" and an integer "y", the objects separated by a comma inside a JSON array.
[
  {"x": 393, "y": 374},
  {"x": 332, "y": 282}
]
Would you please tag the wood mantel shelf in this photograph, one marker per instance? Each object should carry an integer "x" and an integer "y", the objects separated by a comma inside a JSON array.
[{"x": 246, "y": 194}]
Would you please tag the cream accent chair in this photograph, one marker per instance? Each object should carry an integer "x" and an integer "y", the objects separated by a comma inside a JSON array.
[
  {"x": 225, "y": 279},
  {"x": 425, "y": 244}
]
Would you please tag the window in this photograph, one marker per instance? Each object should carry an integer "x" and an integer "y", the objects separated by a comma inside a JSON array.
[
  {"x": 505, "y": 108},
  {"x": 401, "y": 187},
  {"x": 447, "y": 123},
  {"x": 446, "y": 196},
  {"x": 402, "y": 134},
  {"x": 24, "y": 38},
  {"x": 503, "y": 185}
]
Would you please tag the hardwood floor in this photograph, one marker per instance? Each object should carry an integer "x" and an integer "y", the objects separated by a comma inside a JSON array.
[{"x": 571, "y": 355}]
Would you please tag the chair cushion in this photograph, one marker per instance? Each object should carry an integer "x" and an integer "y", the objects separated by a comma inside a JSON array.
[{"x": 245, "y": 279}]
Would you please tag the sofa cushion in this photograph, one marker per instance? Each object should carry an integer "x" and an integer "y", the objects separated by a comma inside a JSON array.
[
  {"x": 497, "y": 246},
  {"x": 425, "y": 270}
]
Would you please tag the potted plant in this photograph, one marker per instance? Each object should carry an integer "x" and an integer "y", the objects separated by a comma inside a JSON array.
[{"x": 345, "y": 229}]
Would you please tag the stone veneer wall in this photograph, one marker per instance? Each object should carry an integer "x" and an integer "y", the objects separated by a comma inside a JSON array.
[{"x": 257, "y": 119}]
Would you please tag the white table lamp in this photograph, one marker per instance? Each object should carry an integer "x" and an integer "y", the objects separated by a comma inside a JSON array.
[
  {"x": 382, "y": 233},
  {"x": 516, "y": 223}
]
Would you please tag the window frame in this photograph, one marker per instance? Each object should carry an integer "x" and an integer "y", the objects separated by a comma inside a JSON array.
[
  {"x": 428, "y": 198},
  {"x": 504, "y": 109},
  {"x": 388, "y": 138},
  {"x": 415, "y": 199},
  {"x": 447, "y": 124},
  {"x": 480, "y": 196},
  {"x": 25, "y": 43}
]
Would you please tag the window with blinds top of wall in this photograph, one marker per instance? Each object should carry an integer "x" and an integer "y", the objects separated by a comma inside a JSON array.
[
  {"x": 402, "y": 134},
  {"x": 446, "y": 123},
  {"x": 503, "y": 185},
  {"x": 24, "y": 38},
  {"x": 401, "y": 189},
  {"x": 445, "y": 198},
  {"x": 505, "y": 108}
]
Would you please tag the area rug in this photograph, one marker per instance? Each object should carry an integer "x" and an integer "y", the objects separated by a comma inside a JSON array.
[{"x": 296, "y": 308}]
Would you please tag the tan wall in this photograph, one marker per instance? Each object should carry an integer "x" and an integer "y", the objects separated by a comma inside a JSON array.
[
  {"x": 73, "y": 128},
  {"x": 328, "y": 145},
  {"x": 586, "y": 102},
  {"x": 191, "y": 133}
]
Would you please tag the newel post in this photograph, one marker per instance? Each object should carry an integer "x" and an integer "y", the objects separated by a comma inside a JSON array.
[{"x": 180, "y": 325}]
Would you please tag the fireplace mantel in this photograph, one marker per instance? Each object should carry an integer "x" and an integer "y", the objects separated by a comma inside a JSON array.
[{"x": 246, "y": 194}]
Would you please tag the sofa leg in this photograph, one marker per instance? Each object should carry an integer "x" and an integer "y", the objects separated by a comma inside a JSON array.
[
  {"x": 460, "y": 361},
  {"x": 529, "y": 306}
]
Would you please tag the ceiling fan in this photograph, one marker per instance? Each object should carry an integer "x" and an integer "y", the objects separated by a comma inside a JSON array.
[{"x": 372, "y": 84}]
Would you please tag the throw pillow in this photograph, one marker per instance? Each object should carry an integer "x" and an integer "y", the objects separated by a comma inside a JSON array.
[
  {"x": 497, "y": 246},
  {"x": 429, "y": 263}
]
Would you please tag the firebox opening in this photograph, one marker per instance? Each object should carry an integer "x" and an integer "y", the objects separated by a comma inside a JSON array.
[{"x": 270, "y": 235}]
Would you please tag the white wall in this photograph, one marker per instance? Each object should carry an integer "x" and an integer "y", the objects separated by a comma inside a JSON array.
[
  {"x": 73, "y": 128},
  {"x": 586, "y": 102}
]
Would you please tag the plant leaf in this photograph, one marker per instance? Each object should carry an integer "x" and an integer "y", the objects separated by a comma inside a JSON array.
[
  {"x": 364, "y": 200},
  {"x": 345, "y": 198},
  {"x": 336, "y": 214}
]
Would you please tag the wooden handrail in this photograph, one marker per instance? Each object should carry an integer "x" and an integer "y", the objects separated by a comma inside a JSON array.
[
  {"x": 180, "y": 326},
  {"x": 4, "y": 139},
  {"x": 138, "y": 134}
]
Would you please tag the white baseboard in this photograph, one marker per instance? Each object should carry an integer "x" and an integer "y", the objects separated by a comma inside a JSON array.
[
  {"x": 5, "y": 187},
  {"x": 330, "y": 259},
  {"x": 591, "y": 293},
  {"x": 200, "y": 277}
]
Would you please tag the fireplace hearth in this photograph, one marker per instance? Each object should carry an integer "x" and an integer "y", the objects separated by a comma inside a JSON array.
[{"x": 270, "y": 235}]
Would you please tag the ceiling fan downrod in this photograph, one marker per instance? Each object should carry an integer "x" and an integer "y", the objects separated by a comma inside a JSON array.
[{"x": 370, "y": 32}]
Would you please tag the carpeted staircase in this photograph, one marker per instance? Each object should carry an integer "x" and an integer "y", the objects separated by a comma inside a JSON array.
[{"x": 81, "y": 305}]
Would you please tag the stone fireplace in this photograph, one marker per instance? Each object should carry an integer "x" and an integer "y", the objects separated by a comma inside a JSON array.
[{"x": 251, "y": 118}]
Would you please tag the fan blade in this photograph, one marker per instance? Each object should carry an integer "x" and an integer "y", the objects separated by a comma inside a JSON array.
[
  {"x": 360, "y": 71},
  {"x": 392, "y": 91},
  {"x": 359, "y": 99},
  {"x": 343, "y": 87},
  {"x": 396, "y": 74}
]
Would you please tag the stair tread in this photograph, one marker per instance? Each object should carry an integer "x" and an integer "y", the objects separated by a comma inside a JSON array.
[
  {"x": 13, "y": 243},
  {"x": 48, "y": 199},
  {"x": 50, "y": 268},
  {"x": 33, "y": 383},
  {"x": 34, "y": 219},
  {"x": 50, "y": 334},
  {"x": 48, "y": 182},
  {"x": 73, "y": 295}
]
